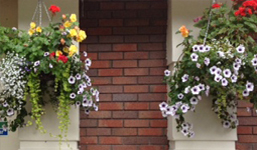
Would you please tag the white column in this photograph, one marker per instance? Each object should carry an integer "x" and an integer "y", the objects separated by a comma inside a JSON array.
[
  {"x": 30, "y": 138},
  {"x": 210, "y": 135}
]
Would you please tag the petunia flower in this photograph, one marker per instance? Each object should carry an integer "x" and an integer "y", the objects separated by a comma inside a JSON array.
[
  {"x": 72, "y": 80},
  {"x": 88, "y": 62},
  {"x": 198, "y": 65},
  {"x": 195, "y": 48},
  {"x": 85, "y": 54},
  {"x": 170, "y": 111},
  {"x": 163, "y": 106},
  {"x": 185, "y": 77},
  {"x": 218, "y": 78},
  {"x": 240, "y": 49},
  {"x": 201, "y": 87},
  {"x": 72, "y": 95},
  {"x": 195, "y": 90},
  {"x": 180, "y": 96},
  {"x": 194, "y": 57},
  {"x": 227, "y": 73},
  {"x": 207, "y": 48},
  {"x": 213, "y": 70},
  {"x": 237, "y": 66},
  {"x": 187, "y": 90},
  {"x": 46, "y": 54},
  {"x": 184, "y": 108},
  {"x": 194, "y": 101},
  {"x": 254, "y": 61},
  {"x": 37, "y": 63},
  {"x": 50, "y": 66},
  {"x": 246, "y": 93},
  {"x": 249, "y": 86},
  {"x": 224, "y": 82},
  {"x": 185, "y": 132},
  {"x": 201, "y": 48},
  {"x": 206, "y": 61},
  {"x": 226, "y": 124},
  {"x": 167, "y": 73},
  {"x": 233, "y": 78},
  {"x": 10, "y": 112},
  {"x": 238, "y": 60},
  {"x": 218, "y": 71},
  {"x": 78, "y": 76}
]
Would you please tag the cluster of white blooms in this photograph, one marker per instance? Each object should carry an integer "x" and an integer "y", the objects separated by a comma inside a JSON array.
[{"x": 12, "y": 75}]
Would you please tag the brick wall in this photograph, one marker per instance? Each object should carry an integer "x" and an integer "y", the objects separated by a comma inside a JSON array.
[{"x": 126, "y": 40}]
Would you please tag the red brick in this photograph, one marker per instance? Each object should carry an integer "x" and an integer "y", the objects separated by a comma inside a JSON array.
[
  {"x": 99, "y": 47},
  {"x": 136, "y": 123},
  {"x": 152, "y": 14},
  {"x": 88, "y": 23},
  {"x": 247, "y": 120},
  {"x": 243, "y": 112},
  {"x": 137, "y": 5},
  {"x": 99, "y": 31},
  {"x": 150, "y": 80},
  {"x": 244, "y": 104},
  {"x": 152, "y": 63},
  {"x": 101, "y": 64},
  {"x": 136, "y": 38},
  {"x": 111, "y": 106},
  {"x": 158, "y": 38},
  {"x": 88, "y": 140},
  {"x": 105, "y": 97},
  {"x": 159, "y": 5},
  {"x": 158, "y": 140},
  {"x": 98, "y": 147},
  {"x": 91, "y": 6},
  {"x": 125, "y": 47},
  {"x": 152, "y": 97},
  {"x": 124, "y": 131},
  {"x": 137, "y": 22},
  {"x": 110, "y": 123},
  {"x": 136, "y": 106},
  {"x": 151, "y": 46},
  {"x": 111, "y": 89},
  {"x": 98, "y": 131},
  {"x": 92, "y": 72},
  {"x": 158, "y": 123},
  {"x": 101, "y": 80},
  {"x": 110, "y": 22},
  {"x": 96, "y": 114},
  {"x": 150, "y": 114},
  {"x": 82, "y": 132},
  {"x": 243, "y": 146},
  {"x": 112, "y": 5},
  {"x": 151, "y": 147},
  {"x": 88, "y": 123},
  {"x": 136, "y": 88},
  {"x": 136, "y": 72},
  {"x": 91, "y": 40},
  {"x": 124, "y": 80},
  {"x": 125, "y": 30},
  {"x": 154, "y": 105},
  {"x": 125, "y": 97},
  {"x": 111, "y": 39},
  {"x": 110, "y": 140},
  {"x": 99, "y": 14},
  {"x": 111, "y": 55},
  {"x": 135, "y": 140},
  {"x": 247, "y": 138},
  {"x": 157, "y": 71},
  {"x": 158, "y": 88},
  {"x": 151, "y": 30},
  {"x": 244, "y": 130},
  {"x": 124, "y": 63},
  {"x": 254, "y": 130},
  {"x": 125, "y": 114},
  {"x": 92, "y": 56},
  {"x": 124, "y": 14},
  {"x": 124, "y": 147},
  {"x": 158, "y": 55},
  {"x": 136, "y": 55},
  {"x": 150, "y": 131},
  {"x": 110, "y": 72}
]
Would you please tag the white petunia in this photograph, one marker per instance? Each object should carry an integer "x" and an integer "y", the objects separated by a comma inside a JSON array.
[
  {"x": 78, "y": 76},
  {"x": 194, "y": 57},
  {"x": 197, "y": 78},
  {"x": 206, "y": 61},
  {"x": 207, "y": 48},
  {"x": 201, "y": 87},
  {"x": 72, "y": 95},
  {"x": 226, "y": 124},
  {"x": 50, "y": 66},
  {"x": 195, "y": 90},
  {"x": 237, "y": 66},
  {"x": 184, "y": 108},
  {"x": 245, "y": 93},
  {"x": 195, "y": 48},
  {"x": 202, "y": 48},
  {"x": 249, "y": 86},
  {"x": 254, "y": 61},
  {"x": 218, "y": 71},
  {"x": 185, "y": 132},
  {"x": 240, "y": 49},
  {"x": 170, "y": 111},
  {"x": 185, "y": 77},
  {"x": 194, "y": 101},
  {"x": 224, "y": 82},
  {"x": 233, "y": 78},
  {"x": 180, "y": 96},
  {"x": 187, "y": 90},
  {"x": 88, "y": 62},
  {"x": 167, "y": 73},
  {"x": 72, "y": 80},
  {"x": 164, "y": 114},
  {"x": 238, "y": 60},
  {"x": 227, "y": 73},
  {"x": 213, "y": 70},
  {"x": 221, "y": 54},
  {"x": 163, "y": 106},
  {"x": 46, "y": 54},
  {"x": 198, "y": 65},
  {"x": 37, "y": 63},
  {"x": 218, "y": 78},
  {"x": 10, "y": 112},
  {"x": 85, "y": 54}
]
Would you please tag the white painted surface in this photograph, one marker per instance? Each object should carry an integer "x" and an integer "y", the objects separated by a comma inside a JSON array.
[
  {"x": 210, "y": 134},
  {"x": 30, "y": 138}
]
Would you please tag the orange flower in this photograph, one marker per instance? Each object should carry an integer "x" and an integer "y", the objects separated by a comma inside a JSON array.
[{"x": 184, "y": 31}]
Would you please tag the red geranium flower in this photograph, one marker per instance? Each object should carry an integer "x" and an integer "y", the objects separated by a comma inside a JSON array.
[
  {"x": 54, "y": 9},
  {"x": 63, "y": 58},
  {"x": 215, "y": 6},
  {"x": 52, "y": 55}
]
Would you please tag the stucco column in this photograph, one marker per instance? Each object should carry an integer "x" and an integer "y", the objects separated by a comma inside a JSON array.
[
  {"x": 210, "y": 134},
  {"x": 30, "y": 138}
]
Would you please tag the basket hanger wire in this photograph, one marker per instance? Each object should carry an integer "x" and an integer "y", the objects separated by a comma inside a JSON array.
[
  {"x": 209, "y": 23},
  {"x": 37, "y": 16}
]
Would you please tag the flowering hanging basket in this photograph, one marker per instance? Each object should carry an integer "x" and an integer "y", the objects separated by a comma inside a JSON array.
[
  {"x": 221, "y": 63},
  {"x": 44, "y": 61}
]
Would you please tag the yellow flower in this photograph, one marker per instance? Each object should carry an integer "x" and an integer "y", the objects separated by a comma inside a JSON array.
[
  {"x": 31, "y": 32},
  {"x": 73, "y": 49},
  {"x": 184, "y": 31},
  {"x": 58, "y": 53},
  {"x": 66, "y": 49},
  {"x": 67, "y": 24},
  {"x": 82, "y": 36},
  {"x": 39, "y": 29},
  {"x": 73, "y": 33},
  {"x": 33, "y": 25},
  {"x": 73, "y": 18}
]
